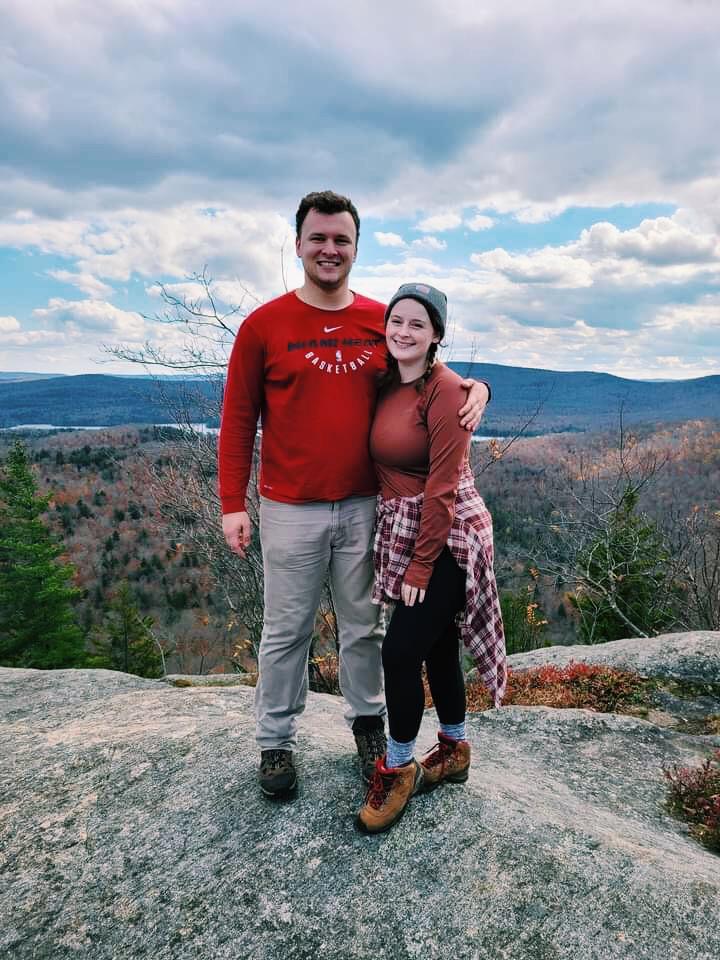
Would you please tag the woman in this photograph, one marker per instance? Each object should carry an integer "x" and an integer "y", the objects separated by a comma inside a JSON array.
[{"x": 433, "y": 557}]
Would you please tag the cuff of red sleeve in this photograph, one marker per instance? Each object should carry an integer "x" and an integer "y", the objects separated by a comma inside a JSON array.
[
  {"x": 418, "y": 575},
  {"x": 233, "y": 505}
]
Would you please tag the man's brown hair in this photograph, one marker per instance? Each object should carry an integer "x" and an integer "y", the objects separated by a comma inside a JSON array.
[{"x": 325, "y": 201}]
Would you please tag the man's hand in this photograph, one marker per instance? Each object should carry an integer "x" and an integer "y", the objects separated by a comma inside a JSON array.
[
  {"x": 237, "y": 531},
  {"x": 411, "y": 594},
  {"x": 477, "y": 398}
]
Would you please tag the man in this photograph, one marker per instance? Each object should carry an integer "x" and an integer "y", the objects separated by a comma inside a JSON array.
[{"x": 307, "y": 362}]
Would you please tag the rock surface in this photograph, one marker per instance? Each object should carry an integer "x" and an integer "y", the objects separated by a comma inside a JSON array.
[
  {"x": 132, "y": 827},
  {"x": 679, "y": 656}
]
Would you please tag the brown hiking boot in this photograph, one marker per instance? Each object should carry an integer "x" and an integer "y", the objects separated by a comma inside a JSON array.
[
  {"x": 448, "y": 760},
  {"x": 388, "y": 795}
]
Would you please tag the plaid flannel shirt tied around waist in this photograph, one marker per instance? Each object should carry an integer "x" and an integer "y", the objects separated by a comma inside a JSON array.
[{"x": 471, "y": 543}]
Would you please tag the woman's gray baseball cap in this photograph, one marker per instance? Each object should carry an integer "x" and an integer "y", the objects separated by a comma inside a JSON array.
[{"x": 434, "y": 301}]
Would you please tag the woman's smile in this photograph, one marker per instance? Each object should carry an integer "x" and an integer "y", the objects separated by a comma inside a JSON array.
[{"x": 409, "y": 334}]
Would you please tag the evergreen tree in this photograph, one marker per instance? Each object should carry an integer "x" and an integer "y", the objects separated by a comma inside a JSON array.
[
  {"x": 624, "y": 573},
  {"x": 128, "y": 643},
  {"x": 37, "y": 621}
]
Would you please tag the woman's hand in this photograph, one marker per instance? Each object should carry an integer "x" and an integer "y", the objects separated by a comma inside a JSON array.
[{"x": 411, "y": 594}]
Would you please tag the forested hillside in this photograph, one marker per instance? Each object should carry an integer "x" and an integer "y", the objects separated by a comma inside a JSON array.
[
  {"x": 95, "y": 399},
  {"x": 586, "y": 401},
  {"x": 102, "y": 510},
  {"x": 106, "y": 509}
]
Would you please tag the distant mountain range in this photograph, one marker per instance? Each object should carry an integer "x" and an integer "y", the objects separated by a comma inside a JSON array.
[
  {"x": 587, "y": 401},
  {"x": 95, "y": 399},
  {"x": 29, "y": 376},
  {"x": 552, "y": 400}
]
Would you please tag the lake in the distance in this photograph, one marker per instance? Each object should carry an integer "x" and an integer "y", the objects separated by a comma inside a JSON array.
[{"x": 197, "y": 427}]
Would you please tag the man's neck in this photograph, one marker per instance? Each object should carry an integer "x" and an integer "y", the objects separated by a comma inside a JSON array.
[{"x": 315, "y": 296}]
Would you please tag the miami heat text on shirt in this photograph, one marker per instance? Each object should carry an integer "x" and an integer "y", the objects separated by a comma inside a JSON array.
[{"x": 333, "y": 343}]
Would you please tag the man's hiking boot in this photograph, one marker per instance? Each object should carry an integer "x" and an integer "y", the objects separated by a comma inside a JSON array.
[
  {"x": 388, "y": 795},
  {"x": 369, "y": 733},
  {"x": 277, "y": 773},
  {"x": 448, "y": 760}
]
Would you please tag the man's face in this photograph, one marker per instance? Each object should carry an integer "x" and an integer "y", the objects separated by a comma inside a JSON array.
[{"x": 327, "y": 248}]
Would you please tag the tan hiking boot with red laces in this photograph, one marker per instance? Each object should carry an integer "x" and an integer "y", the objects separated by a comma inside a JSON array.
[
  {"x": 388, "y": 795},
  {"x": 448, "y": 760}
]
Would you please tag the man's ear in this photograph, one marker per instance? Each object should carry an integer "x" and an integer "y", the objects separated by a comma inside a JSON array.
[{"x": 297, "y": 246}]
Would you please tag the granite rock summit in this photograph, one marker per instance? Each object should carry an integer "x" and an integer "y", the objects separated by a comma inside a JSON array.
[{"x": 132, "y": 827}]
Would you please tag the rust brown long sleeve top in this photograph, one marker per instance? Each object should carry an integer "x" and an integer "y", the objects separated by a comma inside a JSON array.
[{"x": 418, "y": 445}]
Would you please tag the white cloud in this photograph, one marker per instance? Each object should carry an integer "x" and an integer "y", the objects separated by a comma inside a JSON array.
[
  {"x": 662, "y": 242},
  {"x": 547, "y": 266},
  {"x": 479, "y": 222},
  {"x": 583, "y": 305},
  {"x": 228, "y": 294},
  {"x": 429, "y": 243},
  {"x": 389, "y": 239},
  {"x": 411, "y": 268},
  {"x": 94, "y": 316},
  {"x": 175, "y": 242},
  {"x": 9, "y": 324},
  {"x": 63, "y": 237},
  {"x": 34, "y": 341},
  {"x": 85, "y": 282},
  {"x": 659, "y": 251},
  {"x": 689, "y": 318},
  {"x": 507, "y": 109},
  {"x": 519, "y": 112},
  {"x": 579, "y": 346},
  {"x": 439, "y": 222}
]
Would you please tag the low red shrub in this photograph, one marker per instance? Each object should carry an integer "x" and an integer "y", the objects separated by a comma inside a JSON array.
[
  {"x": 694, "y": 795},
  {"x": 579, "y": 685}
]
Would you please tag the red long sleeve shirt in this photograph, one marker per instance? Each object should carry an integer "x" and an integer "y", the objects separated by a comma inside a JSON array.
[
  {"x": 309, "y": 374},
  {"x": 418, "y": 446}
]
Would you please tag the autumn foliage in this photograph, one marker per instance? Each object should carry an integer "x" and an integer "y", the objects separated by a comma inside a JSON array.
[
  {"x": 114, "y": 528},
  {"x": 694, "y": 795},
  {"x": 578, "y": 685}
]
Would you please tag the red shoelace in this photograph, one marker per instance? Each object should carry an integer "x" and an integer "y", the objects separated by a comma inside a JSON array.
[
  {"x": 378, "y": 789},
  {"x": 438, "y": 755}
]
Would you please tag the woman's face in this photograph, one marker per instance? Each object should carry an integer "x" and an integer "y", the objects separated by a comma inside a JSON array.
[{"x": 409, "y": 332}]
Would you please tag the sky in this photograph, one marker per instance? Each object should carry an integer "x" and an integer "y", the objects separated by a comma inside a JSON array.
[{"x": 553, "y": 167}]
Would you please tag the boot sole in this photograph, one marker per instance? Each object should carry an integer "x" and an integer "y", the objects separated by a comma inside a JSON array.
[
  {"x": 280, "y": 794},
  {"x": 460, "y": 777},
  {"x": 363, "y": 828}
]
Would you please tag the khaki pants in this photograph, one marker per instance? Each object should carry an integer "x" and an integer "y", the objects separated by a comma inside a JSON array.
[{"x": 301, "y": 543}]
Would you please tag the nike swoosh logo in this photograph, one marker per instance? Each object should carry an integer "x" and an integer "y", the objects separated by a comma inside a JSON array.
[{"x": 332, "y": 329}]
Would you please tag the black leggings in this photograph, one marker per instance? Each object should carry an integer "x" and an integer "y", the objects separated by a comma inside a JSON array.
[{"x": 426, "y": 632}]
